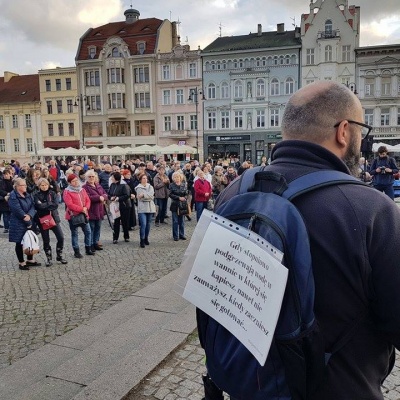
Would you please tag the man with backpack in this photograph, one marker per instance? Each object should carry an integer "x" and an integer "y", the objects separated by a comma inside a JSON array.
[
  {"x": 352, "y": 286},
  {"x": 382, "y": 169}
]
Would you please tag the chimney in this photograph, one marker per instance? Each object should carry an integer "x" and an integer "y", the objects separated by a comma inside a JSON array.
[
  {"x": 131, "y": 15},
  {"x": 297, "y": 32},
  {"x": 280, "y": 28},
  {"x": 259, "y": 30},
  {"x": 175, "y": 37},
  {"x": 8, "y": 75}
]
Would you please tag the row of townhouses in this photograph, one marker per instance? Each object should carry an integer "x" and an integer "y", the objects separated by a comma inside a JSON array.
[{"x": 134, "y": 83}]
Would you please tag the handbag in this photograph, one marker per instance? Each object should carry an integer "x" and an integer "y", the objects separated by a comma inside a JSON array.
[
  {"x": 210, "y": 204},
  {"x": 182, "y": 208},
  {"x": 47, "y": 222},
  {"x": 114, "y": 210},
  {"x": 79, "y": 219}
]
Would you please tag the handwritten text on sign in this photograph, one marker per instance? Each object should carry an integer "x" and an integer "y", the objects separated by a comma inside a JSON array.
[{"x": 239, "y": 284}]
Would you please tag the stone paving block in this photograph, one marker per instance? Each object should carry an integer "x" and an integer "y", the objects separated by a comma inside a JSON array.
[{"x": 21, "y": 375}]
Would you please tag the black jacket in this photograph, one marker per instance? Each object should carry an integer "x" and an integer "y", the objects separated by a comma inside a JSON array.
[
  {"x": 123, "y": 192},
  {"x": 354, "y": 236},
  {"x": 46, "y": 202}
]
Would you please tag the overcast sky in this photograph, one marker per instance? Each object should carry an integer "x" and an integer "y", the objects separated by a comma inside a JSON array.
[{"x": 38, "y": 34}]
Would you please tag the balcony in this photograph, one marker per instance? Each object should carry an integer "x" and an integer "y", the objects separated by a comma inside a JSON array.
[
  {"x": 177, "y": 133},
  {"x": 117, "y": 113},
  {"x": 334, "y": 34}
]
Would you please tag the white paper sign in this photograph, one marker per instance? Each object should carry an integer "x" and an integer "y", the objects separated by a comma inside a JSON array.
[{"x": 237, "y": 278}]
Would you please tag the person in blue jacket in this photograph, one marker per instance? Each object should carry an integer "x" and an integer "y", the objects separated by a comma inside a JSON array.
[
  {"x": 382, "y": 169},
  {"x": 21, "y": 219}
]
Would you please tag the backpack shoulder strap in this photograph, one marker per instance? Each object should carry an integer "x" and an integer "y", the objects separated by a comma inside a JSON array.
[
  {"x": 314, "y": 180},
  {"x": 247, "y": 179}
]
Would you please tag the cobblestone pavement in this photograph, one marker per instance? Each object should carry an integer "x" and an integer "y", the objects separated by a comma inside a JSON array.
[
  {"x": 179, "y": 377},
  {"x": 38, "y": 305}
]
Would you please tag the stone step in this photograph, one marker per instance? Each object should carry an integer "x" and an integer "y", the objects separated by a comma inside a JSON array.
[{"x": 108, "y": 356}]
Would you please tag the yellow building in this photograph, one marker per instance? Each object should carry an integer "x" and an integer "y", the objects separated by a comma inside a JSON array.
[
  {"x": 20, "y": 118},
  {"x": 59, "y": 108}
]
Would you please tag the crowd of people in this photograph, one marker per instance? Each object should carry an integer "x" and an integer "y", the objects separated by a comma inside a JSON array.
[{"x": 127, "y": 193}]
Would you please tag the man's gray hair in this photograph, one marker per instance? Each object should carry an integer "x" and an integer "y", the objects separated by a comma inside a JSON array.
[{"x": 313, "y": 119}]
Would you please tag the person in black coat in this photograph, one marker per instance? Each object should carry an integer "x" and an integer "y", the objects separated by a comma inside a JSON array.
[
  {"x": 46, "y": 203},
  {"x": 6, "y": 187},
  {"x": 121, "y": 193},
  {"x": 21, "y": 219}
]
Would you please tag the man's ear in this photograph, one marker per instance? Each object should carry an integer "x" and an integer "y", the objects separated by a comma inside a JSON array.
[{"x": 342, "y": 134}]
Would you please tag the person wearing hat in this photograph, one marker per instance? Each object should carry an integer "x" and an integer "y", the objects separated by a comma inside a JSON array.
[
  {"x": 382, "y": 169},
  {"x": 77, "y": 201}
]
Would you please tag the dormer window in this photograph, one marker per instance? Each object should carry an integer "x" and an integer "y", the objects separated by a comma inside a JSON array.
[
  {"x": 141, "y": 47},
  {"x": 92, "y": 52},
  {"x": 328, "y": 27},
  {"x": 115, "y": 52}
]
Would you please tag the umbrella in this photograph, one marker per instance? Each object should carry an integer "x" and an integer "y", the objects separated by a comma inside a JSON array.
[
  {"x": 144, "y": 149},
  {"x": 176, "y": 149}
]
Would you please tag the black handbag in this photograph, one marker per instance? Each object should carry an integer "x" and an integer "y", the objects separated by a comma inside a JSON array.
[
  {"x": 182, "y": 208},
  {"x": 79, "y": 219}
]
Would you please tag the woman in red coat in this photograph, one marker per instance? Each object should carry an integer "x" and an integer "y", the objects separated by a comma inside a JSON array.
[
  {"x": 202, "y": 193},
  {"x": 77, "y": 201}
]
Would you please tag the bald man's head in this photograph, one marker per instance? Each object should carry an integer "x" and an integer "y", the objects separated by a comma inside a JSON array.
[{"x": 313, "y": 110}]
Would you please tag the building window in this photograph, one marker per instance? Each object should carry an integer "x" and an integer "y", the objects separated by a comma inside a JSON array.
[
  {"x": 260, "y": 88},
  {"x": 310, "y": 57},
  {"x": 70, "y": 107},
  {"x": 346, "y": 55},
  {"x": 94, "y": 102},
  {"x": 385, "y": 87},
  {"x": 58, "y": 84},
  {"x": 71, "y": 129},
  {"x": 166, "y": 97},
  {"x": 274, "y": 87},
  {"x": 68, "y": 84},
  {"x": 398, "y": 116},
  {"x": 92, "y": 52},
  {"x": 192, "y": 70},
  {"x": 224, "y": 119},
  {"x": 166, "y": 74},
  {"x": 144, "y": 128},
  {"x": 28, "y": 122},
  {"x": 193, "y": 122},
  {"x": 178, "y": 72},
  {"x": 116, "y": 100},
  {"x": 369, "y": 117},
  {"x": 385, "y": 117},
  {"x": 141, "y": 47},
  {"x": 60, "y": 129},
  {"x": 2, "y": 145},
  {"x": 238, "y": 119},
  {"x": 59, "y": 107},
  {"x": 115, "y": 75},
  {"x": 115, "y": 52},
  {"x": 211, "y": 91},
  {"x": 328, "y": 27},
  {"x": 142, "y": 100},
  {"x": 49, "y": 107},
  {"x": 224, "y": 90},
  {"x": 179, "y": 96},
  {"x": 289, "y": 86},
  {"x": 238, "y": 90},
  {"x": 212, "y": 120},
  {"x": 92, "y": 78},
  {"x": 48, "y": 85},
  {"x": 16, "y": 145},
  {"x": 328, "y": 53},
  {"x": 274, "y": 117},
  {"x": 369, "y": 86},
  {"x": 180, "y": 122},
  {"x": 260, "y": 118},
  {"x": 50, "y": 129},
  {"x": 1, "y": 122},
  {"x": 29, "y": 144},
  {"x": 141, "y": 74},
  {"x": 15, "y": 121},
  {"x": 167, "y": 123}
]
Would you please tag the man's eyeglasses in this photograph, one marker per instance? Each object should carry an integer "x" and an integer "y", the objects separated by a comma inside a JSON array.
[{"x": 365, "y": 131}]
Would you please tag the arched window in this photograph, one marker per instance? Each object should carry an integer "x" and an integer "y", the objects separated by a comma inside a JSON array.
[
  {"x": 281, "y": 60},
  {"x": 115, "y": 52},
  {"x": 260, "y": 88},
  {"x": 178, "y": 72},
  {"x": 274, "y": 87},
  {"x": 241, "y": 64},
  {"x": 258, "y": 62},
  {"x": 212, "y": 65},
  {"x": 289, "y": 86},
  {"x": 238, "y": 90},
  {"x": 224, "y": 90},
  {"x": 328, "y": 27},
  {"x": 287, "y": 59},
  {"x": 328, "y": 53},
  {"x": 211, "y": 91},
  {"x": 275, "y": 60}
]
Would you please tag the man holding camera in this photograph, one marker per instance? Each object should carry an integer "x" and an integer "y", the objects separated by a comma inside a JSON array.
[{"x": 382, "y": 169}]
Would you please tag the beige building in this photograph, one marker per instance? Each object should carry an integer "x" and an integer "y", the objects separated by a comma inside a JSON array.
[
  {"x": 116, "y": 69},
  {"x": 20, "y": 118},
  {"x": 179, "y": 96},
  {"x": 59, "y": 108}
]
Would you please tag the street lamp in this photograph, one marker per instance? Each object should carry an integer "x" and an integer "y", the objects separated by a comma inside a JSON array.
[
  {"x": 352, "y": 86},
  {"x": 80, "y": 100},
  {"x": 194, "y": 96}
]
